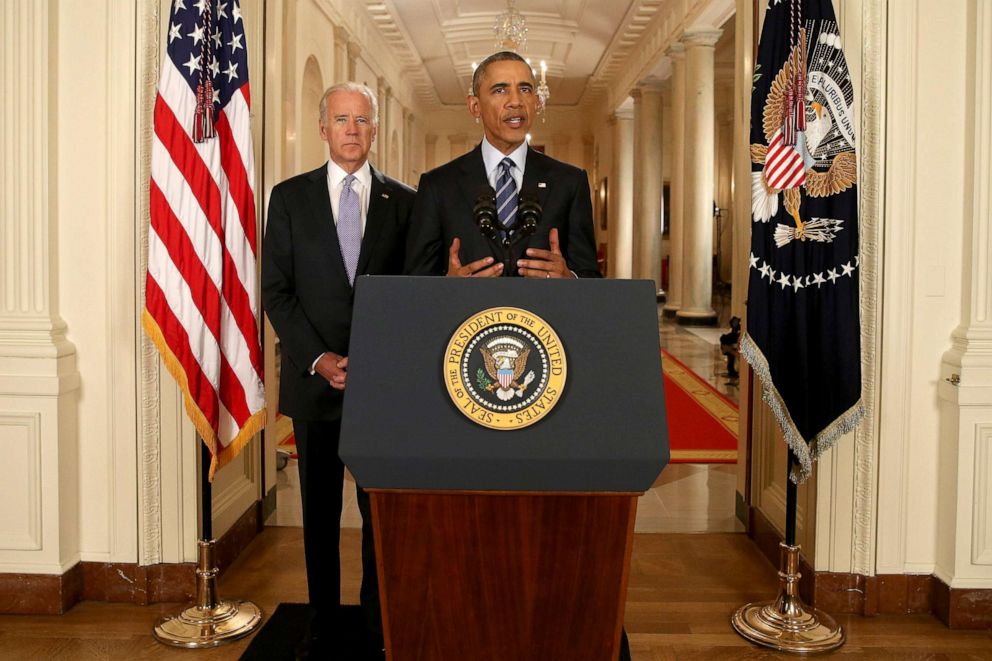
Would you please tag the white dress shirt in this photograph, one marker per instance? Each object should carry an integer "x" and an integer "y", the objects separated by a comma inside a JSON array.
[
  {"x": 362, "y": 185},
  {"x": 335, "y": 184},
  {"x": 491, "y": 158}
]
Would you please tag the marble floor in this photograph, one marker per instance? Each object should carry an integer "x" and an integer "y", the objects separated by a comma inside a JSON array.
[{"x": 686, "y": 498}]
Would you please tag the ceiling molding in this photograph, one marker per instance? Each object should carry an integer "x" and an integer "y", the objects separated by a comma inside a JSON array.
[
  {"x": 631, "y": 32},
  {"x": 664, "y": 29}
]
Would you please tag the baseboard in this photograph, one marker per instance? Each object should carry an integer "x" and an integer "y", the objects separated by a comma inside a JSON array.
[
  {"x": 962, "y": 608},
  {"x": 45, "y": 594},
  {"x": 40, "y": 594},
  {"x": 840, "y": 593}
]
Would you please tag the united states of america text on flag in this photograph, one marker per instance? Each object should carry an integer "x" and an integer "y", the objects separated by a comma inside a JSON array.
[{"x": 200, "y": 292}]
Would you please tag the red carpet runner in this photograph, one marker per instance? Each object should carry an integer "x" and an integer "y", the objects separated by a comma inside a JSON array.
[{"x": 702, "y": 423}]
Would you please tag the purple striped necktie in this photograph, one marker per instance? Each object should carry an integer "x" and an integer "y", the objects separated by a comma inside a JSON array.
[
  {"x": 506, "y": 196},
  {"x": 349, "y": 227}
]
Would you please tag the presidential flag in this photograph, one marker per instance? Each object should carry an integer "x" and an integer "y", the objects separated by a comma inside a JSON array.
[
  {"x": 201, "y": 305},
  {"x": 803, "y": 336}
]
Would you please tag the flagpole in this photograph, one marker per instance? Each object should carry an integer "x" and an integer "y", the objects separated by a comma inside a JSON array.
[
  {"x": 211, "y": 621},
  {"x": 786, "y": 623}
]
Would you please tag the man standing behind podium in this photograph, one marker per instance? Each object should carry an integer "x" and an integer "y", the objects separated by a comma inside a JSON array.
[
  {"x": 324, "y": 228},
  {"x": 444, "y": 238}
]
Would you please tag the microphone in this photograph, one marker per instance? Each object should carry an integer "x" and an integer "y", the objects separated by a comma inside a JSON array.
[
  {"x": 484, "y": 213},
  {"x": 528, "y": 213}
]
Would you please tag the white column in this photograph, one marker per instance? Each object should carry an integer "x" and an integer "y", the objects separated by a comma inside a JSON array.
[
  {"x": 697, "y": 288},
  {"x": 964, "y": 502},
  {"x": 621, "y": 191},
  {"x": 673, "y": 299},
  {"x": 457, "y": 145},
  {"x": 430, "y": 151},
  {"x": 382, "y": 137},
  {"x": 407, "y": 171},
  {"x": 647, "y": 183},
  {"x": 354, "y": 50},
  {"x": 39, "y": 519},
  {"x": 341, "y": 67}
]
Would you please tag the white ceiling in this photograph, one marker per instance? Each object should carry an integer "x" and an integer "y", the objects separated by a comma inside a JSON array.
[{"x": 582, "y": 41}]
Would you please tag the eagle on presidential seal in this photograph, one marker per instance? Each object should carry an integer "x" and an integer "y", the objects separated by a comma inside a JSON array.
[
  {"x": 821, "y": 158},
  {"x": 506, "y": 359}
]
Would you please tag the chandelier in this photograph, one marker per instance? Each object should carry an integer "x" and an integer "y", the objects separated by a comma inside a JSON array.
[{"x": 510, "y": 29}]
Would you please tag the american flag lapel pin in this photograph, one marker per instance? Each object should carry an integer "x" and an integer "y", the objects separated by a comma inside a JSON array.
[
  {"x": 385, "y": 196},
  {"x": 541, "y": 184}
]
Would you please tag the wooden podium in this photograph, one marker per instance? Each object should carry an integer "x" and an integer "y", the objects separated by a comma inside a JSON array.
[{"x": 503, "y": 544}]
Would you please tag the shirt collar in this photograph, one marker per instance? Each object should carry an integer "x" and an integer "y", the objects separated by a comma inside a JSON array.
[
  {"x": 335, "y": 174},
  {"x": 491, "y": 156}
]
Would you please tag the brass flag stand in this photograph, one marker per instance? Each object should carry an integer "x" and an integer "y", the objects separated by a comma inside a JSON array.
[
  {"x": 211, "y": 621},
  {"x": 786, "y": 623}
]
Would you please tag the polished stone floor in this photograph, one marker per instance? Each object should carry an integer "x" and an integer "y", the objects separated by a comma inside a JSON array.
[{"x": 686, "y": 498}]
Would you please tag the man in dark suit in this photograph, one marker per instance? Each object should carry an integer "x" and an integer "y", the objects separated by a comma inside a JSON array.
[
  {"x": 324, "y": 228},
  {"x": 444, "y": 238}
]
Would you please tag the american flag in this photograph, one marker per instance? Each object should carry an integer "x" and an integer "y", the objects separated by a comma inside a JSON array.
[{"x": 200, "y": 293}]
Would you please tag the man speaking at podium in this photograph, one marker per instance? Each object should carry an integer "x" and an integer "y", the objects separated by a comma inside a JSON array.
[
  {"x": 445, "y": 236},
  {"x": 449, "y": 231}
]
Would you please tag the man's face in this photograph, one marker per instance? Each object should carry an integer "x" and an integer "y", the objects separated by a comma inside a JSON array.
[
  {"x": 506, "y": 103},
  {"x": 348, "y": 129}
]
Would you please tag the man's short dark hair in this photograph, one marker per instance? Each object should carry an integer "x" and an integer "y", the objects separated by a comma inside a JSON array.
[{"x": 501, "y": 56}]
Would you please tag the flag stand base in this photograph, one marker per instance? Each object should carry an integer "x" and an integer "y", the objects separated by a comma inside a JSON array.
[
  {"x": 210, "y": 622},
  {"x": 787, "y": 624}
]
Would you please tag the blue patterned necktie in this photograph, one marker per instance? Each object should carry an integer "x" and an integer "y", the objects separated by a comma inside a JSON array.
[
  {"x": 506, "y": 196},
  {"x": 349, "y": 227}
]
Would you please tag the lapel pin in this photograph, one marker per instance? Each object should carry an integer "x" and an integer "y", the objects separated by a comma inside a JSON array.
[
  {"x": 385, "y": 195},
  {"x": 541, "y": 184}
]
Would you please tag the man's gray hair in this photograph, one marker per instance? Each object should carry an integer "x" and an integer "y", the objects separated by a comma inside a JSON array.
[{"x": 350, "y": 87}]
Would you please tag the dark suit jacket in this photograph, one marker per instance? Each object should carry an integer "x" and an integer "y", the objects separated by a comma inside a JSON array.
[
  {"x": 305, "y": 290},
  {"x": 443, "y": 211}
]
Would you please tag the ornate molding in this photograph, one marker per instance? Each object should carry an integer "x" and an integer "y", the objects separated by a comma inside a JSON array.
[
  {"x": 701, "y": 37},
  {"x": 866, "y": 437},
  {"x": 149, "y": 415},
  {"x": 626, "y": 42}
]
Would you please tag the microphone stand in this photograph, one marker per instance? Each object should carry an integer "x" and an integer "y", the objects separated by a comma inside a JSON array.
[{"x": 486, "y": 217}]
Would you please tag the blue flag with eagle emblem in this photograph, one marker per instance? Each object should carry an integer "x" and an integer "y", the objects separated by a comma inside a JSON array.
[{"x": 803, "y": 335}]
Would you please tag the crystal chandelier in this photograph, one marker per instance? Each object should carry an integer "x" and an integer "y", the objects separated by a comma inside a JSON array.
[{"x": 510, "y": 29}]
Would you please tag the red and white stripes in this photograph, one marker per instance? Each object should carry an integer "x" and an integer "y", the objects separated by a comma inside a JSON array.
[
  {"x": 201, "y": 294},
  {"x": 784, "y": 165}
]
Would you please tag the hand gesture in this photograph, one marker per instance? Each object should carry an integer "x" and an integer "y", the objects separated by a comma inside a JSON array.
[
  {"x": 545, "y": 263},
  {"x": 481, "y": 268}
]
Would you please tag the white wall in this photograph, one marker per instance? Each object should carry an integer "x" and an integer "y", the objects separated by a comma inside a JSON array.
[{"x": 922, "y": 276}]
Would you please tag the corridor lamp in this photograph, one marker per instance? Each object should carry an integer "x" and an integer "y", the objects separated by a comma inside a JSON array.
[{"x": 543, "y": 93}]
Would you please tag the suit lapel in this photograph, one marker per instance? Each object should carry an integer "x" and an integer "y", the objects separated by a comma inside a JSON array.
[
  {"x": 319, "y": 200},
  {"x": 536, "y": 175},
  {"x": 380, "y": 205},
  {"x": 472, "y": 181},
  {"x": 473, "y": 177},
  {"x": 536, "y": 179}
]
